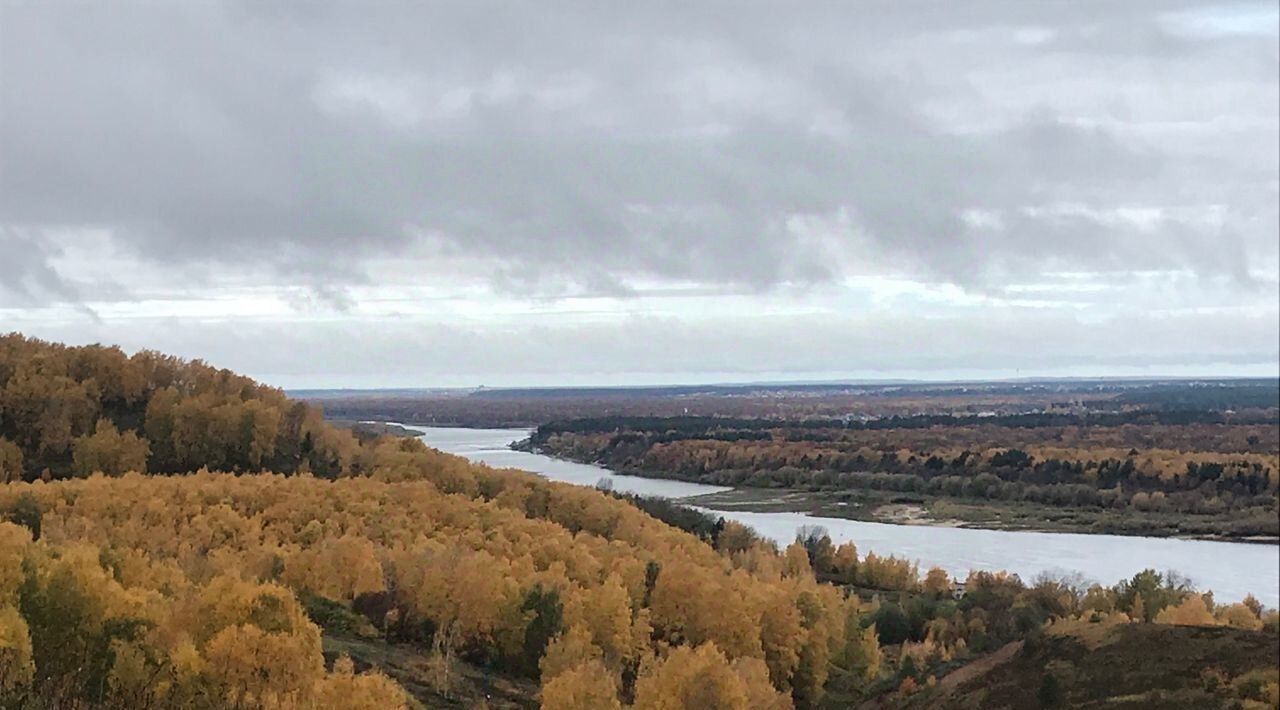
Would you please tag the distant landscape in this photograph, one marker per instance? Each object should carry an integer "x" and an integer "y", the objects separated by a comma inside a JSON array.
[
  {"x": 1150, "y": 457},
  {"x": 513, "y": 407},
  {"x": 353, "y": 567}
]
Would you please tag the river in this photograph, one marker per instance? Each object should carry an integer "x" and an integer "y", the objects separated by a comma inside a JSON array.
[{"x": 1231, "y": 570}]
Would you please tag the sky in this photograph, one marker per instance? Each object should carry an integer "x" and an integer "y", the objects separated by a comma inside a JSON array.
[{"x": 425, "y": 194}]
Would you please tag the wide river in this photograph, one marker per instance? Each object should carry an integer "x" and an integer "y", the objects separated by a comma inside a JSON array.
[{"x": 1231, "y": 570}]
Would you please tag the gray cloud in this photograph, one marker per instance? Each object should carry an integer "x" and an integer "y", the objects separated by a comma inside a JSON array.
[
  {"x": 992, "y": 343},
  {"x": 25, "y": 273},
  {"x": 744, "y": 146}
]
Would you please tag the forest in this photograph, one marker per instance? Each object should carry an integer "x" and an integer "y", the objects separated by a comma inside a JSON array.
[
  {"x": 1171, "y": 472},
  {"x": 173, "y": 535}
]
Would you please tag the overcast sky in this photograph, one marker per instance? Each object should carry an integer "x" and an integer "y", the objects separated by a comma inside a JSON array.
[{"x": 433, "y": 194}]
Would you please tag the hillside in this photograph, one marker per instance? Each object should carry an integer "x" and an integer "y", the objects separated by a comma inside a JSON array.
[
  {"x": 72, "y": 411},
  {"x": 177, "y": 536},
  {"x": 1122, "y": 666},
  {"x": 121, "y": 589}
]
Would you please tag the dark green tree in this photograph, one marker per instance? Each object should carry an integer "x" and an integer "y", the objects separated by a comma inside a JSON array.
[
  {"x": 547, "y": 622},
  {"x": 26, "y": 512}
]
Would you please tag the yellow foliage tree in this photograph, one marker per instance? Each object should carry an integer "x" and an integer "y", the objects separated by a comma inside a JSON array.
[
  {"x": 694, "y": 604},
  {"x": 823, "y": 633},
  {"x": 252, "y": 667},
  {"x": 605, "y": 611},
  {"x": 846, "y": 562},
  {"x": 110, "y": 452},
  {"x": 17, "y": 667},
  {"x": 781, "y": 634},
  {"x": 1192, "y": 611},
  {"x": 691, "y": 678},
  {"x": 343, "y": 689},
  {"x": 796, "y": 561},
  {"x": 1239, "y": 616},
  {"x": 571, "y": 649},
  {"x": 14, "y": 543},
  {"x": 936, "y": 583},
  {"x": 735, "y": 538},
  {"x": 1138, "y": 610},
  {"x": 586, "y": 686},
  {"x": 760, "y": 692}
]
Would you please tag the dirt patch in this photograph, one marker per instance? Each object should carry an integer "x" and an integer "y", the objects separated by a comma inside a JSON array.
[
  {"x": 410, "y": 667},
  {"x": 759, "y": 500},
  {"x": 910, "y": 514},
  {"x": 982, "y": 666}
]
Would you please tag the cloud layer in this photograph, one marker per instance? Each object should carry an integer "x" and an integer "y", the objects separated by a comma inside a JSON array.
[{"x": 515, "y": 151}]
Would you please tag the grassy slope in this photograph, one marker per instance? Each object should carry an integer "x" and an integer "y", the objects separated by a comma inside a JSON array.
[{"x": 1125, "y": 666}]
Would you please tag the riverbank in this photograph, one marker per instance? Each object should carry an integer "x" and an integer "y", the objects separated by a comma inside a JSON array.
[
  {"x": 1230, "y": 570},
  {"x": 876, "y": 507},
  {"x": 371, "y": 428},
  {"x": 937, "y": 511},
  {"x": 895, "y": 508}
]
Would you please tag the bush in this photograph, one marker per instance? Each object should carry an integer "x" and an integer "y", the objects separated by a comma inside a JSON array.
[
  {"x": 1050, "y": 694},
  {"x": 335, "y": 617},
  {"x": 892, "y": 624}
]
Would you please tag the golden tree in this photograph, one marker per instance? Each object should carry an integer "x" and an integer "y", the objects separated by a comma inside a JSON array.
[
  {"x": 109, "y": 452},
  {"x": 17, "y": 665},
  {"x": 586, "y": 686},
  {"x": 1192, "y": 611},
  {"x": 691, "y": 678}
]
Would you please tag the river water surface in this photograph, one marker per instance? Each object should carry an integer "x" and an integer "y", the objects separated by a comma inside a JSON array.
[{"x": 1231, "y": 570}]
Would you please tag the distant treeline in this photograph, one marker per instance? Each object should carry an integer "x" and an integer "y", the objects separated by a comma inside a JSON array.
[
  {"x": 736, "y": 429},
  {"x": 498, "y": 408},
  {"x": 1253, "y": 394},
  {"x": 71, "y": 411},
  {"x": 1241, "y": 393},
  {"x": 1198, "y": 472}
]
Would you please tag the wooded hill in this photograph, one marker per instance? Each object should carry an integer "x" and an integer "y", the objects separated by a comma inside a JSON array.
[
  {"x": 285, "y": 563},
  {"x": 119, "y": 589}
]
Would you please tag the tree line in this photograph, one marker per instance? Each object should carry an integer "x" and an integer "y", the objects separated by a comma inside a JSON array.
[
  {"x": 71, "y": 411},
  {"x": 1224, "y": 476}
]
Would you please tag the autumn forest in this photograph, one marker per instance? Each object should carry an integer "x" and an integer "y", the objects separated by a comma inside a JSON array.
[{"x": 173, "y": 535}]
